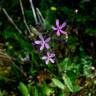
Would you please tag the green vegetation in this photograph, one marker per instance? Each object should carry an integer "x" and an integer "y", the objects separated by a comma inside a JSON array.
[{"x": 67, "y": 67}]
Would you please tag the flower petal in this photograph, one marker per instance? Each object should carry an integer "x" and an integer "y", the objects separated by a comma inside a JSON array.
[
  {"x": 52, "y": 55},
  {"x": 54, "y": 28},
  {"x": 47, "y": 46},
  {"x": 63, "y": 25},
  {"x": 58, "y": 33},
  {"x": 48, "y": 39},
  {"x": 57, "y": 22},
  {"x": 51, "y": 60},
  {"x": 41, "y": 37},
  {"x": 44, "y": 57},
  {"x": 37, "y": 42},
  {"x": 47, "y": 61},
  {"x": 48, "y": 54},
  {"x": 42, "y": 47},
  {"x": 63, "y": 32}
]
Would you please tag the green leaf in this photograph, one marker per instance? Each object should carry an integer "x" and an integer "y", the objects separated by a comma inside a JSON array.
[
  {"x": 35, "y": 92},
  {"x": 23, "y": 89},
  {"x": 64, "y": 64},
  {"x": 61, "y": 94},
  {"x": 1, "y": 93},
  {"x": 58, "y": 83},
  {"x": 77, "y": 88},
  {"x": 66, "y": 10},
  {"x": 46, "y": 90},
  {"x": 68, "y": 83},
  {"x": 90, "y": 31},
  {"x": 71, "y": 85}
]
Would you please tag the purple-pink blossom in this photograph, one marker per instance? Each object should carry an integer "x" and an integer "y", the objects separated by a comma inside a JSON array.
[
  {"x": 43, "y": 43},
  {"x": 59, "y": 28},
  {"x": 49, "y": 57}
]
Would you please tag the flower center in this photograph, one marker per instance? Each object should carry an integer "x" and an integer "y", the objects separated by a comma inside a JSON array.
[{"x": 58, "y": 28}]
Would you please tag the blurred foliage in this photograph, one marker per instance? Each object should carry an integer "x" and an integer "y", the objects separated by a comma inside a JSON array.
[{"x": 74, "y": 73}]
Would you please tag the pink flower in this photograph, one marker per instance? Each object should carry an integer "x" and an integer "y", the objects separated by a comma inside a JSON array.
[
  {"x": 49, "y": 57},
  {"x": 43, "y": 43},
  {"x": 59, "y": 28}
]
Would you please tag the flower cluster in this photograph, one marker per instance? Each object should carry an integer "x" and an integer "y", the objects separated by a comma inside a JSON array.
[{"x": 44, "y": 43}]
